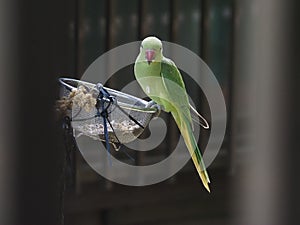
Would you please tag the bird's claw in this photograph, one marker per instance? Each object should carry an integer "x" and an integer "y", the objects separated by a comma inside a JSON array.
[{"x": 153, "y": 104}]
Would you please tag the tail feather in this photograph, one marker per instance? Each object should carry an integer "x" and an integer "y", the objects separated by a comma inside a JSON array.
[{"x": 186, "y": 130}]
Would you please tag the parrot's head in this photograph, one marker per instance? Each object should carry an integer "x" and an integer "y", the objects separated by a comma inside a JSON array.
[{"x": 151, "y": 50}]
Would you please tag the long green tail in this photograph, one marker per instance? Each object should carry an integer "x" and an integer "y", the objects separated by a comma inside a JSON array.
[{"x": 186, "y": 130}]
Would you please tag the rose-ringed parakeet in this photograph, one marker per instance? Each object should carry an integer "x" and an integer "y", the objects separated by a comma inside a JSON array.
[{"x": 162, "y": 82}]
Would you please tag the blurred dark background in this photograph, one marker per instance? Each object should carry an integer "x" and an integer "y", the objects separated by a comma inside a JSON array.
[{"x": 252, "y": 48}]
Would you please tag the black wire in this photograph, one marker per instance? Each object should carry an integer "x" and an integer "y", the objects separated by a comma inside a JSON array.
[
  {"x": 119, "y": 142},
  {"x": 130, "y": 117}
]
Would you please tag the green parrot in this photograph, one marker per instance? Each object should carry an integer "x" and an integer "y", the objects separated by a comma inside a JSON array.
[{"x": 161, "y": 80}]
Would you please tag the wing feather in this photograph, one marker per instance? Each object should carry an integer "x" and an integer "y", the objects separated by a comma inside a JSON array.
[{"x": 174, "y": 85}]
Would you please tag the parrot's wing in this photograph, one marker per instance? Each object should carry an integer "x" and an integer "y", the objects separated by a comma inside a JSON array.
[
  {"x": 198, "y": 118},
  {"x": 174, "y": 85}
]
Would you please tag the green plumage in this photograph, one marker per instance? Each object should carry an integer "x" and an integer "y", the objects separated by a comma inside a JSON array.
[{"x": 162, "y": 82}]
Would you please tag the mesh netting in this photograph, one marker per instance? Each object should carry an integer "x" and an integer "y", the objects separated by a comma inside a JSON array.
[{"x": 127, "y": 116}]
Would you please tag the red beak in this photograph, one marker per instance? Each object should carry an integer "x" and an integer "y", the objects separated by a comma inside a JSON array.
[{"x": 149, "y": 55}]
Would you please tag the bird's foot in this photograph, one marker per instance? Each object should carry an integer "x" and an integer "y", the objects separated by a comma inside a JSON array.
[{"x": 153, "y": 104}]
